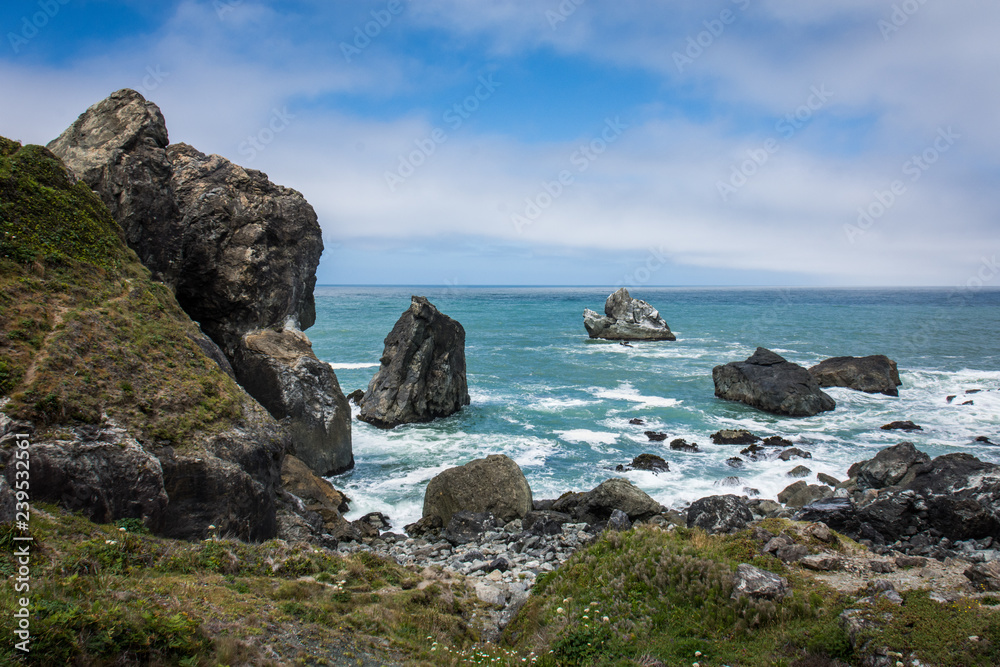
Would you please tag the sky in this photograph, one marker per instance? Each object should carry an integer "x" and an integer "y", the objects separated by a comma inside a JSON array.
[{"x": 568, "y": 142}]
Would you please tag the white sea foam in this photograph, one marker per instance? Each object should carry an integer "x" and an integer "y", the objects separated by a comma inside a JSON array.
[
  {"x": 582, "y": 435},
  {"x": 352, "y": 366},
  {"x": 626, "y": 392}
]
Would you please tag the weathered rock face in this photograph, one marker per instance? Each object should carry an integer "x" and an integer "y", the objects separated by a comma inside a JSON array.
[
  {"x": 118, "y": 148},
  {"x": 600, "y": 502},
  {"x": 422, "y": 373},
  {"x": 280, "y": 370},
  {"x": 626, "y": 319},
  {"x": 760, "y": 584},
  {"x": 239, "y": 251},
  {"x": 875, "y": 374},
  {"x": 495, "y": 485},
  {"x": 768, "y": 382},
  {"x": 250, "y": 248},
  {"x": 719, "y": 514},
  {"x": 801, "y": 494},
  {"x": 894, "y": 465},
  {"x": 230, "y": 481}
]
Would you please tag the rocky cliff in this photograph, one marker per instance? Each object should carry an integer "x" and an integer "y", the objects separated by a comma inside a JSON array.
[
  {"x": 127, "y": 416},
  {"x": 239, "y": 252}
]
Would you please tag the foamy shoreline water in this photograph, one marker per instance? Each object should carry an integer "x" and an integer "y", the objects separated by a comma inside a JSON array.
[{"x": 560, "y": 404}]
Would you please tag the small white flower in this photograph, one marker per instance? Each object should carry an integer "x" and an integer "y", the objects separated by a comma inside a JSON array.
[
  {"x": 560, "y": 610},
  {"x": 122, "y": 529}
]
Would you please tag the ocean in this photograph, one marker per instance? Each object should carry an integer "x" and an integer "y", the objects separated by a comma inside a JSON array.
[{"x": 559, "y": 403}]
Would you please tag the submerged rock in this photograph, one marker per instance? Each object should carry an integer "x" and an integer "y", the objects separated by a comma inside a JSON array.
[
  {"x": 902, "y": 426},
  {"x": 650, "y": 462},
  {"x": 875, "y": 374},
  {"x": 769, "y": 382},
  {"x": 494, "y": 484},
  {"x": 734, "y": 437},
  {"x": 422, "y": 373},
  {"x": 626, "y": 319}
]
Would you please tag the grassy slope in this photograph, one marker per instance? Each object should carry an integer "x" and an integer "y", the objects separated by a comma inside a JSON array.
[{"x": 84, "y": 330}]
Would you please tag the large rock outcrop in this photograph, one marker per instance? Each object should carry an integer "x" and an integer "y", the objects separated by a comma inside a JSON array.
[
  {"x": 875, "y": 374},
  {"x": 495, "y": 485},
  {"x": 769, "y": 382},
  {"x": 626, "y": 318},
  {"x": 281, "y": 371},
  {"x": 239, "y": 252},
  {"x": 422, "y": 372},
  {"x": 599, "y": 503}
]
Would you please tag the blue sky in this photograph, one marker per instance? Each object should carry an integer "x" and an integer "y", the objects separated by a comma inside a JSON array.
[{"x": 721, "y": 142}]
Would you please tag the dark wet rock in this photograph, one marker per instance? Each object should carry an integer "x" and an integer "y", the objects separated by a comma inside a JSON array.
[
  {"x": 769, "y": 382},
  {"x": 759, "y": 584},
  {"x": 799, "y": 472},
  {"x": 896, "y": 465},
  {"x": 735, "y": 462},
  {"x": 598, "y": 504},
  {"x": 356, "y": 396},
  {"x": 949, "y": 399},
  {"x": 777, "y": 441},
  {"x": 719, "y": 514},
  {"x": 619, "y": 521},
  {"x": 422, "y": 372},
  {"x": 794, "y": 453},
  {"x": 280, "y": 370},
  {"x": 732, "y": 480},
  {"x": 636, "y": 422},
  {"x": 983, "y": 440},
  {"x": 650, "y": 462},
  {"x": 969, "y": 403},
  {"x": 626, "y": 319},
  {"x": 875, "y": 374},
  {"x": 655, "y": 437},
  {"x": 682, "y": 445},
  {"x": 901, "y": 426},
  {"x": 829, "y": 480},
  {"x": 494, "y": 484},
  {"x": 972, "y": 391},
  {"x": 801, "y": 494},
  {"x": 755, "y": 453},
  {"x": 734, "y": 437}
]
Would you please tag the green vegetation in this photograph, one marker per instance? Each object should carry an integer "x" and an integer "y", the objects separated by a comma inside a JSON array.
[
  {"x": 84, "y": 330},
  {"x": 105, "y": 595}
]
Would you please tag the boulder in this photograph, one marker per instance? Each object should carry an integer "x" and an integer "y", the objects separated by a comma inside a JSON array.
[
  {"x": 875, "y": 374},
  {"x": 464, "y": 526},
  {"x": 759, "y": 584},
  {"x": 650, "y": 462},
  {"x": 799, "y": 472},
  {"x": 891, "y": 466},
  {"x": 682, "y": 445},
  {"x": 984, "y": 576},
  {"x": 422, "y": 372},
  {"x": 794, "y": 453},
  {"x": 768, "y": 382},
  {"x": 801, "y": 494},
  {"x": 626, "y": 319},
  {"x": 902, "y": 426},
  {"x": 655, "y": 437},
  {"x": 494, "y": 484},
  {"x": 600, "y": 502},
  {"x": 317, "y": 495},
  {"x": 281, "y": 371},
  {"x": 734, "y": 437},
  {"x": 719, "y": 514},
  {"x": 618, "y": 521}
]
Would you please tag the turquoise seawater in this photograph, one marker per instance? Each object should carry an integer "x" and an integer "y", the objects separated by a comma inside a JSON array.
[{"x": 559, "y": 403}]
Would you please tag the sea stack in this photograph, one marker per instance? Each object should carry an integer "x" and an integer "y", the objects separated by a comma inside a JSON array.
[
  {"x": 875, "y": 374},
  {"x": 422, "y": 372},
  {"x": 769, "y": 382},
  {"x": 626, "y": 319}
]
